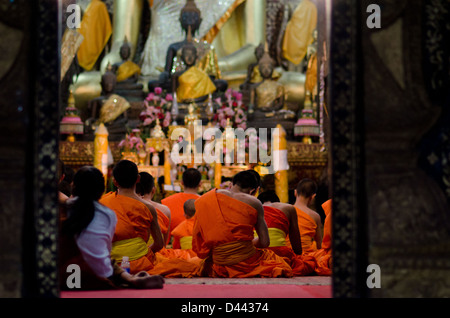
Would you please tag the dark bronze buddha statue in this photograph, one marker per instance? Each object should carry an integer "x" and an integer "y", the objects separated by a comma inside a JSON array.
[
  {"x": 190, "y": 18},
  {"x": 109, "y": 109}
]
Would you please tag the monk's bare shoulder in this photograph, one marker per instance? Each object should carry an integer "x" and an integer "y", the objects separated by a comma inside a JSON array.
[
  {"x": 288, "y": 209},
  {"x": 313, "y": 214},
  {"x": 243, "y": 197},
  {"x": 163, "y": 208},
  {"x": 148, "y": 205}
]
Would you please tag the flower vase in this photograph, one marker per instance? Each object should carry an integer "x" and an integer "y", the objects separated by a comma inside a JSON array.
[{"x": 155, "y": 159}]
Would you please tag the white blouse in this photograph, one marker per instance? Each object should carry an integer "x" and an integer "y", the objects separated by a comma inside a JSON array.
[{"x": 95, "y": 241}]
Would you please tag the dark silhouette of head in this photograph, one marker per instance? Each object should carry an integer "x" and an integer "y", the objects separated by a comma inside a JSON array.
[
  {"x": 146, "y": 183},
  {"x": 126, "y": 174},
  {"x": 191, "y": 178}
]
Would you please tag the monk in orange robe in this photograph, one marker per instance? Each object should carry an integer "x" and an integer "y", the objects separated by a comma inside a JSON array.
[
  {"x": 191, "y": 183},
  {"x": 146, "y": 189},
  {"x": 136, "y": 220},
  {"x": 182, "y": 234},
  {"x": 223, "y": 233},
  {"x": 281, "y": 219},
  {"x": 309, "y": 221},
  {"x": 181, "y": 260},
  {"x": 323, "y": 256}
]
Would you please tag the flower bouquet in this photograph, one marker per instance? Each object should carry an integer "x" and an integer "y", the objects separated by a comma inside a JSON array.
[
  {"x": 157, "y": 105},
  {"x": 231, "y": 110}
]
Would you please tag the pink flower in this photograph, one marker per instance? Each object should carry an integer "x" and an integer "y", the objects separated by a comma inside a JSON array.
[
  {"x": 169, "y": 97},
  {"x": 242, "y": 125},
  {"x": 238, "y": 96},
  {"x": 218, "y": 100},
  {"x": 223, "y": 123},
  {"x": 166, "y": 122},
  {"x": 134, "y": 140},
  {"x": 147, "y": 121},
  {"x": 158, "y": 90},
  {"x": 229, "y": 111},
  {"x": 151, "y": 149},
  {"x": 150, "y": 97}
]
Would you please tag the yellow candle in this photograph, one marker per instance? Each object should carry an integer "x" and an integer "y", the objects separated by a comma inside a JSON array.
[
  {"x": 166, "y": 168},
  {"x": 281, "y": 165},
  {"x": 101, "y": 150},
  {"x": 217, "y": 174}
]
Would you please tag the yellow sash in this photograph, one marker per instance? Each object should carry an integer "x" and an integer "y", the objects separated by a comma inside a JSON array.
[
  {"x": 233, "y": 252},
  {"x": 186, "y": 242},
  {"x": 126, "y": 70},
  {"x": 113, "y": 107},
  {"x": 277, "y": 237},
  {"x": 194, "y": 83},
  {"x": 134, "y": 248}
]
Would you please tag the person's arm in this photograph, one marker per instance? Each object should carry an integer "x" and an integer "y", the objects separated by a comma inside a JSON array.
[
  {"x": 155, "y": 230},
  {"x": 319, "y": 232},
  {"x": 294, "y": 231},
  {"x": 262, "y": 240},
  {"x": 141, "y": 280}
]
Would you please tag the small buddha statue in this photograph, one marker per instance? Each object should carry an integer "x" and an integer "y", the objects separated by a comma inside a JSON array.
[
  {"x": 191, "y": 84},
  {"x": 190, "y": 20},
  {"x": 191, "y": 117},
  {"x": 127, "y": 73},
  {"x": 269, "y": 95},
  {"x": 109, "y": 109}
]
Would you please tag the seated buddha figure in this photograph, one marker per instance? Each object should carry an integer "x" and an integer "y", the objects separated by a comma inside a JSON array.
[
  {"x": 127, "y": 73},
  {"x": 268, "y": 96},
  {"x": 190, "y": 20},
  {"x": 191, "y": 84},
  {"x": 109, "y": 109}
]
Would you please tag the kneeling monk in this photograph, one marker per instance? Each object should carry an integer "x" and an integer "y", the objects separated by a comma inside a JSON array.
[{"x": 223, "y": 233}]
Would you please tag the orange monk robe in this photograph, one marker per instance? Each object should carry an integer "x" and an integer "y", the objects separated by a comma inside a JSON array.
[
  {"x": 178, "y": 262},
  {"x": 278, "y": 225},
  {"x": 307, "y": 227},
  {"x": 323, "y": 256},
  {"x": 182, "y": 234},
  {"x": 164, "y": 223},
  {"x": 132, "y": 231},
  {"x": 175, "y": 203},
  {"x": 223, "y": 234},
  {"x": 96, "y": 29}
]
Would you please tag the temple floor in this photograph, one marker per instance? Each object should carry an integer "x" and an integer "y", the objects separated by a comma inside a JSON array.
[{"x": 295, "y": 287}]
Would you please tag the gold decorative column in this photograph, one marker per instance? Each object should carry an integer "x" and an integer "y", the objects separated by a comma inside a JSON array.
[
  {"x": 167, "y": 167},
  {"x": 101, "y": 150},
  {"x": 217, "y": 174},
  {"x": 280, "y": 163}
]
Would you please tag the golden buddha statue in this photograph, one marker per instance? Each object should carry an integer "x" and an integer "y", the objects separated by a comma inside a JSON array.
[{"x": 269, "y": 94}]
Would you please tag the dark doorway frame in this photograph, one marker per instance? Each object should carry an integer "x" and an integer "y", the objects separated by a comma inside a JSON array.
[{"x": 349, "y": 212}]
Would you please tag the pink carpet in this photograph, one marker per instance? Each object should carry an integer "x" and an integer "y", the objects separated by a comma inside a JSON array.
[{"x": 188, "y": 291}]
